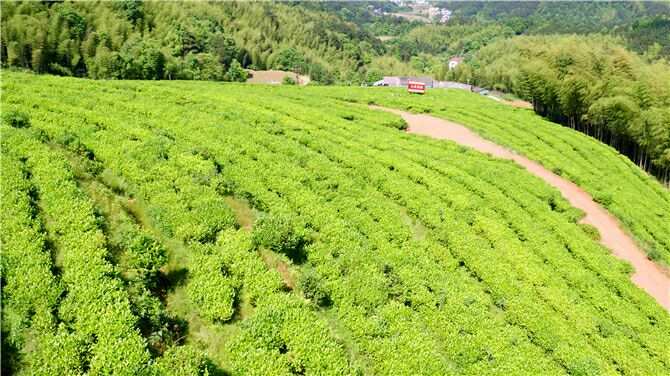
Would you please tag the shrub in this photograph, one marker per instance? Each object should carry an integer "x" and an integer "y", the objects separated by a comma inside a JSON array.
[
  {"x": 16, "y": 119},
  {"x": 590, "y": 231},
  {"x": 182, "y": 360},
  {"x": 604, "y": 199},
  {"x": 211, "y": 289},
  {"x": 235, "y": 73},
  {"x": 654, "y": 255},
  {"x": 398, "y": 123},
  {"x": 311, "y": 285},
  {"x": 144, "y": 254},
  {"x": 278, "y": 233},
  {"x": 288, "y": 80}
]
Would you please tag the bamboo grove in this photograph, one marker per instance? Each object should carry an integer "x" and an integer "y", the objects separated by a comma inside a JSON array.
[
  {"x": 188, "y": 41},
  {"x": 198, "y": 228}
]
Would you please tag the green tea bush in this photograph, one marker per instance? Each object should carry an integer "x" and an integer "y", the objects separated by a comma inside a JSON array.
[
  {"x": 16, "y": 119},
  {"x": 183, "y": 361},
  {"x": 311, "y": 285},
  {"x": 591, "y": 231},
  {"x": 280, "y": 234},
  {"x": 211, "y": 287}
]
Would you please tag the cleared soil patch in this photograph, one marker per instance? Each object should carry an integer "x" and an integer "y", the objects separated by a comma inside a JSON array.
[
  {"x": 386, "y": 38},
  {"x": 649, "y": 276},
  {"x": 520, "y": 104},
  {"x": 275, "y": 77}
]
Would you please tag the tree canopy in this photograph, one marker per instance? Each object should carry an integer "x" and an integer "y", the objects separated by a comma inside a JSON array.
[{"x": 161, "y": 40}]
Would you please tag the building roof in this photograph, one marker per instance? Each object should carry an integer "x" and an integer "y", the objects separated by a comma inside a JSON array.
[
  {"x": 402, "y": 80},
  {"x": 425, "y": 80},
  {"x": 392, "y": 80}
]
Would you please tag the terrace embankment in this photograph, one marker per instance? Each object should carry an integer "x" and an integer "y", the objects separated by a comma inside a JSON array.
[{"x": 648, "y": 275}]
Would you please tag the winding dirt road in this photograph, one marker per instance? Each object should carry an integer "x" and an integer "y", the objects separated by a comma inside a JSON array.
[{"x": 648, "y": 275}]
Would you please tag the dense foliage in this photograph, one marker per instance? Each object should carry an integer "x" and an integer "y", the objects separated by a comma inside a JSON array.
[
  {"x": 591, "y": 84},
  {"x": 369, "y": 15},
  {"x": 417, "y": 256},
  {"x": 348, "y": 43},
  {"x": 162, "y": 40},
  {"x": 641, "y": 23}
]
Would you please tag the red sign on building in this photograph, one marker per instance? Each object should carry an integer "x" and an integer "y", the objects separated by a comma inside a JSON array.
[{"x": 416, "y": 87}]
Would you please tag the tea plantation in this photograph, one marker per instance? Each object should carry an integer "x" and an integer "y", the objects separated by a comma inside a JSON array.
[{"x": 187, "y": 228}]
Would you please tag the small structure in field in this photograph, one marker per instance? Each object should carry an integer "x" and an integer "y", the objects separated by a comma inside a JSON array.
[
  {"x": 416, "y": 87},
  {"x": 454, "y": 61}
]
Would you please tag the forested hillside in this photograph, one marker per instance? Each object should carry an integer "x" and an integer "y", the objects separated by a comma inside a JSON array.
[
  {"x": 640, "y": 23},
  {"x": 591, "y": 84},
  {"x": 194, "y": 40},
  {"x": 330, "y": 41},
  {"x": 193, "y": 228}
]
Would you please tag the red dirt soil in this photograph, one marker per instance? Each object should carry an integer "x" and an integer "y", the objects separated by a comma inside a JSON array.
[{"x": 649, "y": 276}]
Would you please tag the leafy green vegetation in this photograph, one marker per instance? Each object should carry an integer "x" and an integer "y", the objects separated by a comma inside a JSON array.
[
  {"x": 371, "y": 251},
  {"x": 16, "y": 119},
  {"x": 640, "y": 23},
  {"x": 589, "y": 84},
  {"x": 194, "y": 41},
  {"x": 638, "y": 200},
  {"x": 349, "y": 43}
]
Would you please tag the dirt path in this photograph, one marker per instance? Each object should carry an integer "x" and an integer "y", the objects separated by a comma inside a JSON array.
[{"x": 648, "y": 275}]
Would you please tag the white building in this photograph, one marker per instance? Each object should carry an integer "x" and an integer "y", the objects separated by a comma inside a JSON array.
[
  {"x": 439, "y": 15},
  {"x": 454, "y": 61}
]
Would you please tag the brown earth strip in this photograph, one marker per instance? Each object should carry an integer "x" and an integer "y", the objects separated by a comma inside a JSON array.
[{"x": 649, "y": 276}]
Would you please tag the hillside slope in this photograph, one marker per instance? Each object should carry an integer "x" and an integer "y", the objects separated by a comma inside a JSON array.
[
  {"x": 190, "y": 40},
  {"x": 282, "y": 230},
  {"x": 640, "y": 202}
]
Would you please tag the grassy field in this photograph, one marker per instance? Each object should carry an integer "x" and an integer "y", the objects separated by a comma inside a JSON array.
[{"x": 191, "y": 227}]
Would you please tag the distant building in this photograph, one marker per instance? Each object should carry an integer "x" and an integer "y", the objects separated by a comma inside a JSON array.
[
  {"x": 394, "y": 81},
  {"x": 452, "y": 85},
  {"x": 454, "y": 61},
  {"x": 439, "y": 15},
  {"x": 397, "y": 81}
]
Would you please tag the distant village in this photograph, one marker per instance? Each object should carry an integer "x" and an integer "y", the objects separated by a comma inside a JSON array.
[
  {"x": 277, "y": 77},
  {"x": 421, "y": 11}
]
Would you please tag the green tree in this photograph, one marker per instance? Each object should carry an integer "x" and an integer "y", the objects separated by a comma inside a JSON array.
[
  {"x": 291, "y": 60},
  {"x": 142, "y": 59},
  {"x": 225, "y": 48},
  {"x": 236, "y": 73},
  {"x": 373, "y": 75}
]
